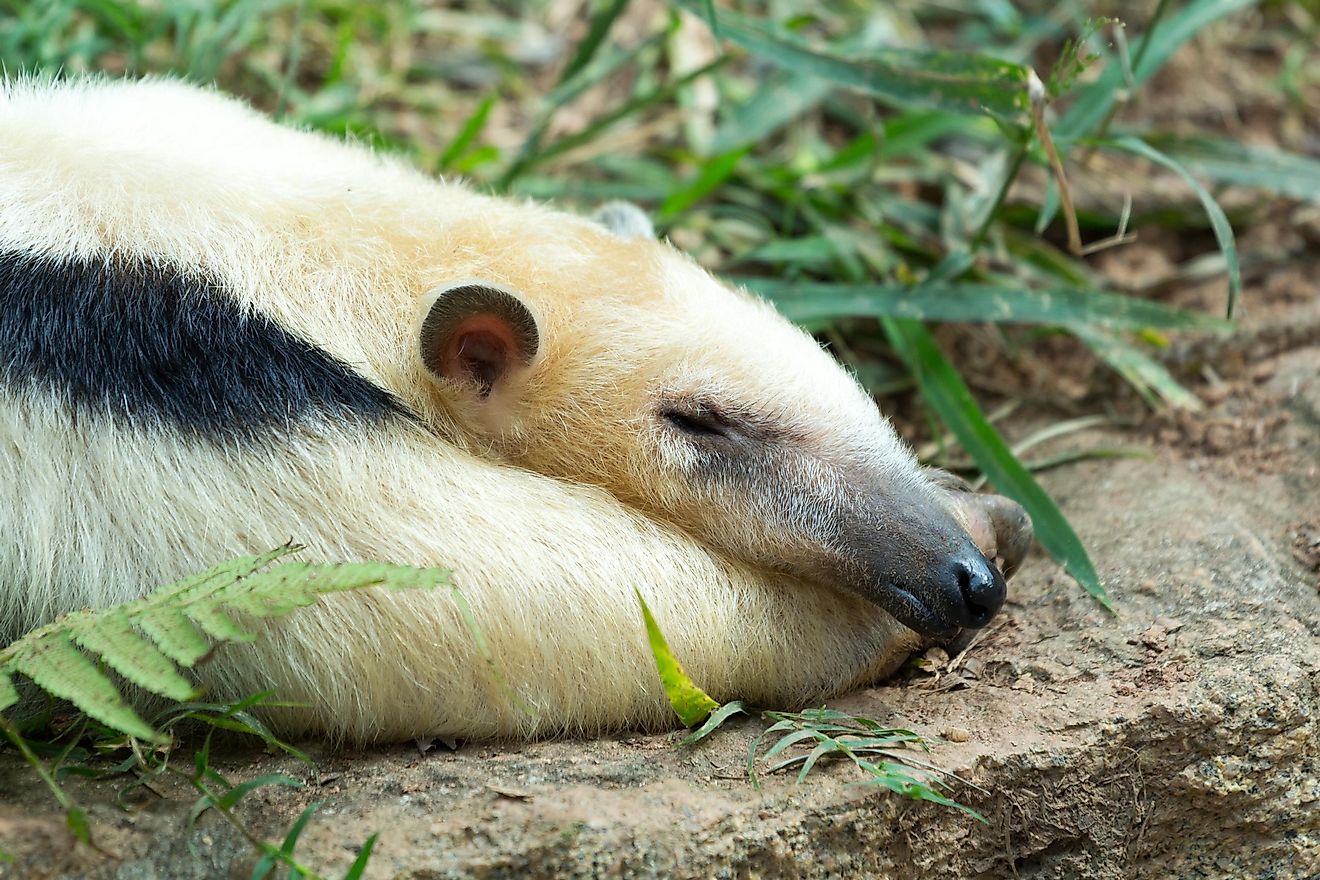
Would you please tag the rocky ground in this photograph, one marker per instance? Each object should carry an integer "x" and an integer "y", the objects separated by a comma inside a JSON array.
[{"x": 1176, "y": 738}]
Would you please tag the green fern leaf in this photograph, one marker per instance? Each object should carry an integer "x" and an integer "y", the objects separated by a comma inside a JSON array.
[
  {"x": 231, "y": 576},
  {"x": 259, "y": 605},
  {"x": 217, "y": 624},
  {"x": 174, "y": 634},
  {"x": 119, "y": 645},
  {"x": 59, "y": 668},
  {"x": 349, "y": 576},
  {"x": 8, "y": 693},
  {"x": 144, "y": 640}
]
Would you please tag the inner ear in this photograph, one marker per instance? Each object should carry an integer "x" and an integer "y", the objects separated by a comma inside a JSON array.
[{"x": 477, "y": 334}]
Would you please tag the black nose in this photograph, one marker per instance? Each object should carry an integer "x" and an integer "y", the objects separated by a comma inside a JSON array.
[{"x": 976, "y": 588}]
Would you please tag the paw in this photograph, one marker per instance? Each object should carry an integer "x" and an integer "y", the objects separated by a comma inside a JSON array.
[{"x": 998, "y": 525}]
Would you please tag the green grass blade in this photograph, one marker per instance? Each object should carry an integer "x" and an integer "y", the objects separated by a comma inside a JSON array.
[
  {"x": 1218, "y": 221},
  {"x": 807, "y": 302},
  {"x": 1141, "y": 371},
  {"x": 784, "y": 97},
  {"x": 717, "y": 718},
  {"x": 948, "y": 395},
  {"x": 962, "y": 82},
  {"x": 900, "y": 780},
  {"x": 601, "y": 23},
  {"x": 78, "y": 823},
  {"x": 296, "y": 829},
  {"x": 1094, "y": 101},
  {"x": 125, "y": 18},
  {"x": 789, "y": 741},
  {"x": 539, "y": 156},
  {"x": 689, "y": 702},
  {"x": 467, "y": 134},
  {"x": 805, "y": 251},
  {"x": 713, "y": 173},
  {"x": 599, "y": 69},
  {"x": 1245, "y": 165},
  {"x": 359, "y": 866},
  {"x": 774, "y": 105},
  {"x": 230, "y": 799},
  {"x": 261, "y": 870},
  {"x": 909, "y": 134},
  {"x": 236, "y": 793},
  {"x": 826, "y": 747},
  {"x": 786, "y": 763},
  {"x": 708, "y": 12}
]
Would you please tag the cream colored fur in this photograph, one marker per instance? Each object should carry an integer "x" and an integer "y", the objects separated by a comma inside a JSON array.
[{"x": 552, "y": 501}]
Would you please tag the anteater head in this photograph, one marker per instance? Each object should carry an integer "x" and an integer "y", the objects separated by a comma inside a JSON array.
[{"x": 602, "y": 356}]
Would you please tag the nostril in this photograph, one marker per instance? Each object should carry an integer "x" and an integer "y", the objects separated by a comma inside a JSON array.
[
  {"x": 981, "y": 588},
  {"x": 978, "y": 615},
  {"x": 965, "y": 582}
]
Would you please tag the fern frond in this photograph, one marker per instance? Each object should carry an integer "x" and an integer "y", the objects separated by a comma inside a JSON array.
[
  {"x": 8, "y": 693},
  {"x": 145, "y": 641}
]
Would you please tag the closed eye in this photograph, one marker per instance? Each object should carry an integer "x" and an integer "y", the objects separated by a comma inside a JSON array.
[{"x": 697, "y": 424}]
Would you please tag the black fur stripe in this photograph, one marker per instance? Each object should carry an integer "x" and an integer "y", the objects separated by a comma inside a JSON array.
[{"x": 148, "y": 343}]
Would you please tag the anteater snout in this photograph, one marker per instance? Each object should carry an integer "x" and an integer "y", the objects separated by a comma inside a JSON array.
[{"x": 972, "y": 588}]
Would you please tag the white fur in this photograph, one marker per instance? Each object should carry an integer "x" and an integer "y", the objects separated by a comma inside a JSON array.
[{"x": 340, "y": 246}]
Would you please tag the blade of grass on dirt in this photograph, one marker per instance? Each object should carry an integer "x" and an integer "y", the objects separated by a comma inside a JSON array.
[
  {"x": 466, "y": 135},
  {"x": 1245, "y": 165},
  {"x": 1151, "y": 51},
  {"x": 775, "y": 104},
  {"x": 713, "y": 173},
  {"x": 814, "y": 302},
  {"x": 787, "y": 96},
  {"x": 908, "y": 134},
  {"x": 962, "y": 82},
  {"x": 1218, "y": 221},
  {"x": 601, "y": 23},
  {"x": 1147, "y": 375},
  {"x": 948, "y": 395},
  {"x": 595, "y": 69},
  {"x": 629, "y": 108}
]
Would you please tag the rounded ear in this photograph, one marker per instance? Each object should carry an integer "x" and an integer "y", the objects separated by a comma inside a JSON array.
[
  {"x": 625, "y": 220},
  {"x": 476, "y": 334}
]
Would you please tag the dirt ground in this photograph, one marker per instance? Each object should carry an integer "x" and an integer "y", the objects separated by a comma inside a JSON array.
[{"x": 1177, "y": 738}]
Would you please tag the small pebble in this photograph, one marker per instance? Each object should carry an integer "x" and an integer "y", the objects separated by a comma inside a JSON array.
[
  {"x": 1219, "y": 438},
  {"x": 1215, "y": 394},
  {"x": 935, "y": 660},
  {"x": 1264, "y": 371},
  {"x": 1156, "y": 638}
]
